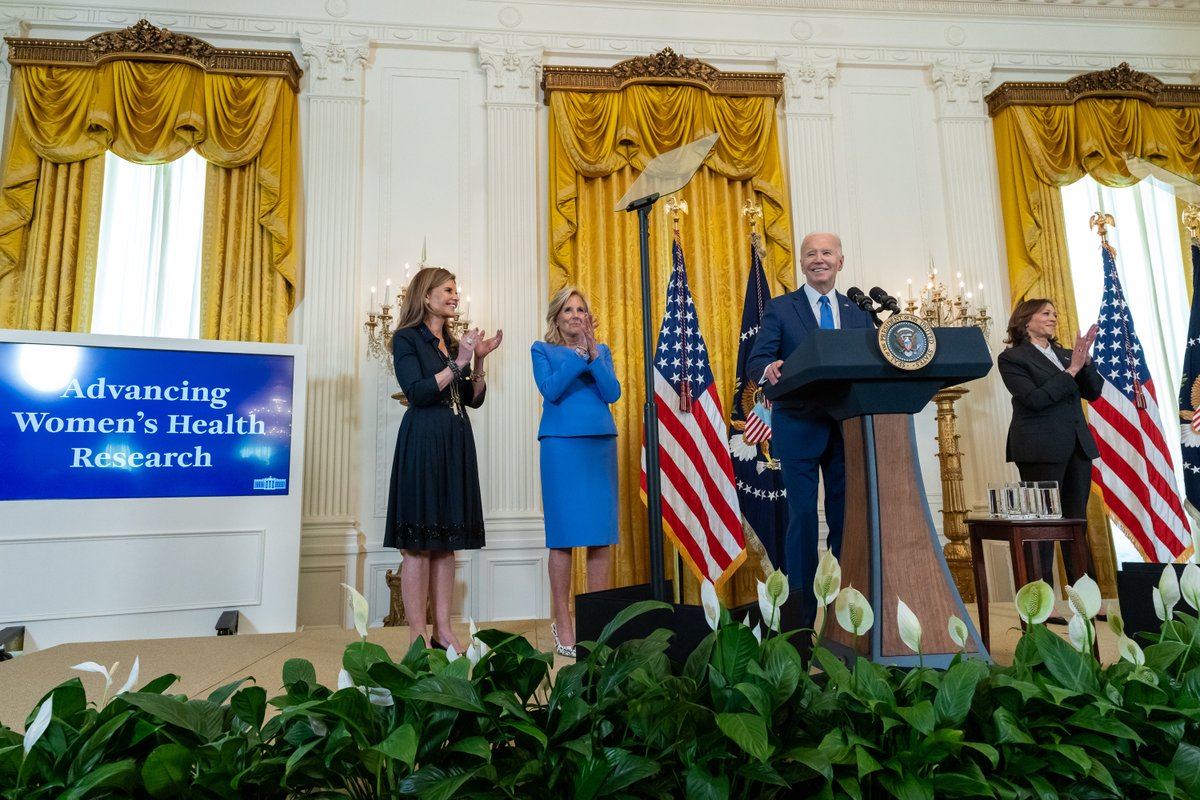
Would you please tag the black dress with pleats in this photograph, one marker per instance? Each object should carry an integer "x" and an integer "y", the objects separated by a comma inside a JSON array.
[{"x": 434, "y": 500}]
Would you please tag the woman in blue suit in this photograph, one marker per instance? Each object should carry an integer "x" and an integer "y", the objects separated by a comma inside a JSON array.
[{"x": 578, "y": 452}]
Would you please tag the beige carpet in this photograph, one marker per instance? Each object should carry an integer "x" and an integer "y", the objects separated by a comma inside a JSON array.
[{"x": 206, "y": 663}]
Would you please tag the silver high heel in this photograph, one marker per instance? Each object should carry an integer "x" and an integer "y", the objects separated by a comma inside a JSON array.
[{"x": 560, "y": 648}]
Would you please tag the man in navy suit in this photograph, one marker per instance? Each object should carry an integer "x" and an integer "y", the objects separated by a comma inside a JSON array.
[{"x": 807, "y": 441}]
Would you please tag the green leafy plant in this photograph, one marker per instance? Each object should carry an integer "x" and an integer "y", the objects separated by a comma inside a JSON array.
[{"x": 744, "y": 716}]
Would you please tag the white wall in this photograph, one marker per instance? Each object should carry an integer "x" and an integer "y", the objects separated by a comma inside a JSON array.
[{"x": 423, "y": 122}]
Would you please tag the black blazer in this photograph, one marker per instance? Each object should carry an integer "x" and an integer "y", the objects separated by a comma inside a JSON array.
[{"x": 1047, "y": 419}]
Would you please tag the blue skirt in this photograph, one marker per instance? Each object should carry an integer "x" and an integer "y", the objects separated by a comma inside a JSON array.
[{"x": 579, "y": 490}]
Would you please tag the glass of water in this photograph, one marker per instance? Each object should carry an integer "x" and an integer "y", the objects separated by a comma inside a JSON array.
[{"x": 1049, "y": 499}]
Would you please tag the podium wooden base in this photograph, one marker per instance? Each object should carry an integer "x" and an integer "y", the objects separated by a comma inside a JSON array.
[{"x": 890, "y": 548}]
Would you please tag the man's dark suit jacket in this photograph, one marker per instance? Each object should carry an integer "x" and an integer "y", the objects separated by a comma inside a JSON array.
[
  {"x": 799, "y": 429},
  {"x": 1047, "y": 419}
]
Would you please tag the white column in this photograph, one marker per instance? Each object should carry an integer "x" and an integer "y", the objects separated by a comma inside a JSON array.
[
  {"x": 514, "y": 294},
  {"x": 333, "y": 147},
  {"x": 510, "y": 572},
  {"x": 810, "y": 149},
  {"x": 968, "y": 164}
]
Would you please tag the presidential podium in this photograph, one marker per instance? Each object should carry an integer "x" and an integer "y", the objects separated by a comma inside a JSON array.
[{"x": 890, "y": 547}]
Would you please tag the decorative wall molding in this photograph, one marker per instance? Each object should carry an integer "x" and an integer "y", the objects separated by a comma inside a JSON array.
[
  {"x": 1120, "y": 81},
  {"x": 959, "y": 89},
  {"x": 384, "y": 33},
  {"x": 1127, "y": 10},
  {"x": 335, "y": 64},
  {"x": 512, "y": 73},
  {"x": 665, "y": 66},
  {"x": 144, "y": 41},
  {"x": 807, "y": 84}
]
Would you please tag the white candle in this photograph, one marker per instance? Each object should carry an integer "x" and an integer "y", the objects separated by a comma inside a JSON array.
[
  {"x": 910, "y": 297},
  {"x": 406, "y": 278},
  {"x": 387, "y": 290},
  {"x": 467, "y": 308},
  {"x": 981, "y": 294}
]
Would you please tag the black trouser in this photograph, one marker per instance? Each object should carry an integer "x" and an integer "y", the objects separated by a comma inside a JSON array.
[{"x": 1074, "y": 485}]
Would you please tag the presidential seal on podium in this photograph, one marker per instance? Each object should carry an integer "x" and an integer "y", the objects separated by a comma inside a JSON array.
[{"x": 907, "y": 341}]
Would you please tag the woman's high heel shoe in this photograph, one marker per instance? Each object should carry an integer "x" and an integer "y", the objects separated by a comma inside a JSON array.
[{"x": 560, "y": 648}]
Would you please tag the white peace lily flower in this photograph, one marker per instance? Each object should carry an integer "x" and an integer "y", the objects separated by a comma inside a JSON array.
[
  {"x": 828, "y": 582},
  {"x": 361, "y": 610},
  {"x": 1168, "y": 587},
  {"x": 958, "y": 631},
  {"x": 1116, "y": 623},
  {"x": 1160, "y": 609},
  {"x": 133, "y": 676},
  {"x": 909, "y": 625},
  {"x": 767, "y": 607},
  {"x": 39, "y": 724},
  {"x": 451, "y": 653},
  {"x": 756, "y": 630},
  {"x": 1189, "y": 585},
  {"x": 108, "y": 673},
  {"x": 853, "y": 611},
  {"x": 377, "y": 695},
  {"x": 1130, "y": 651},
  {"x": 712, "y": 606},
  {"x": 318, "y": 727},
  {"x": 476, "y": 649},
  {"x": 1077, "y": 629},
  {"x": 1084, "y": 597},
  {"x": 1035, "y": 600},
  {"x": 92, "y": 666}
]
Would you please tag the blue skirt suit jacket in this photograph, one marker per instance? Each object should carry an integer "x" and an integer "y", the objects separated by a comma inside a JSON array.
[{"x": 578, "y": 445}]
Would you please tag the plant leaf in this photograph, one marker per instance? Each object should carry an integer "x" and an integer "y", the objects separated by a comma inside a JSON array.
[
  {"x": 628, "y": 613},
  {"x": 167, "y": 769},
  {"x": 1186, "y": 766},
  {"x": 956, "y": 692},
  {"x": 748, "y": 731},
  {"x": 198, "y": 716}
]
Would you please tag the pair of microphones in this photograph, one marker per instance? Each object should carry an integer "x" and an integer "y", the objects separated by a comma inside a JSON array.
[{"x": 868, "y": 301}]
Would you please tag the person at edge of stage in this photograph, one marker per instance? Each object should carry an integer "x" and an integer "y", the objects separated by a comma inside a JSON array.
[
  {"x": 578, "y": 442},
  {"x": 434, "y": 504},
  {"x": 807, "y": 441},
  {"x": 1048, "y": 438}
]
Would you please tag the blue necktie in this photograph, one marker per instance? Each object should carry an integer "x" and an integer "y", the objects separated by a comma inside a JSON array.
[{"x": 826, "y": 314}]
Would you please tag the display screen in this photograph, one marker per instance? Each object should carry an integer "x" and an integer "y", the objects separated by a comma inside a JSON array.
[{"x": 91, "y": 422}]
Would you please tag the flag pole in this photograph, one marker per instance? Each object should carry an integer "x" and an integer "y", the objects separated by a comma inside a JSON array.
[{"x": 650, "y": 412}]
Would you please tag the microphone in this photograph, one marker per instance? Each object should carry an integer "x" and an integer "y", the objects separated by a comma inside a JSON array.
[
  {"x": 859, "y": 298},
  {"x": 885, "y": 300}
]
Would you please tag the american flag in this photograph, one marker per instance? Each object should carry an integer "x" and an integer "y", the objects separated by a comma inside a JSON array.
[
  {"x": 1189, "y": 396},
  {"x": 761, "y": 495},
  {"x": 1134, "y": 471},
  {"x": 699, "y": 498}
]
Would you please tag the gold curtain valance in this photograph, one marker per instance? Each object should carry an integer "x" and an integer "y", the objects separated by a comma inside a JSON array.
[
  {"x": 1050, "y": 135},
  {"x": 602, "y": 133}
]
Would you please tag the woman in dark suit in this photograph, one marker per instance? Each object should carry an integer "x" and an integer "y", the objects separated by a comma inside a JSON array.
[
  {"x": 1048, "y": 438},
  {"x": 578, "y": 438}
]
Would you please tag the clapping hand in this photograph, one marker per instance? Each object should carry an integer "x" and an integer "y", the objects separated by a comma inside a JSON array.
[
  {"x": 1081, "y": 354},
  {"x": 589, "y": 336},
  {"x": 483, "y": 345}
]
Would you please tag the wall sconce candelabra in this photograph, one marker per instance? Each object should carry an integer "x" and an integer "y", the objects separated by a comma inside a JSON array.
[
  {"x": 937, "y": 306},
  {"x": 940, "y": 309}
]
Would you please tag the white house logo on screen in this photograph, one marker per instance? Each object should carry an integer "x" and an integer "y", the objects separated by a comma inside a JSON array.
[{"x": 270, "y": 484}]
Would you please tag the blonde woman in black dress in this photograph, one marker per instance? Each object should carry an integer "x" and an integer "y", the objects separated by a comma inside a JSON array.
[{"x": 434, "y": 506}]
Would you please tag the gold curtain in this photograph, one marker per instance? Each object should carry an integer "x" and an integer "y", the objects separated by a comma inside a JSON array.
[
  {"x": 1041, "y": 147},
  {"x": 599, "y": 142},
  {"x": 150, "y": 112}
]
